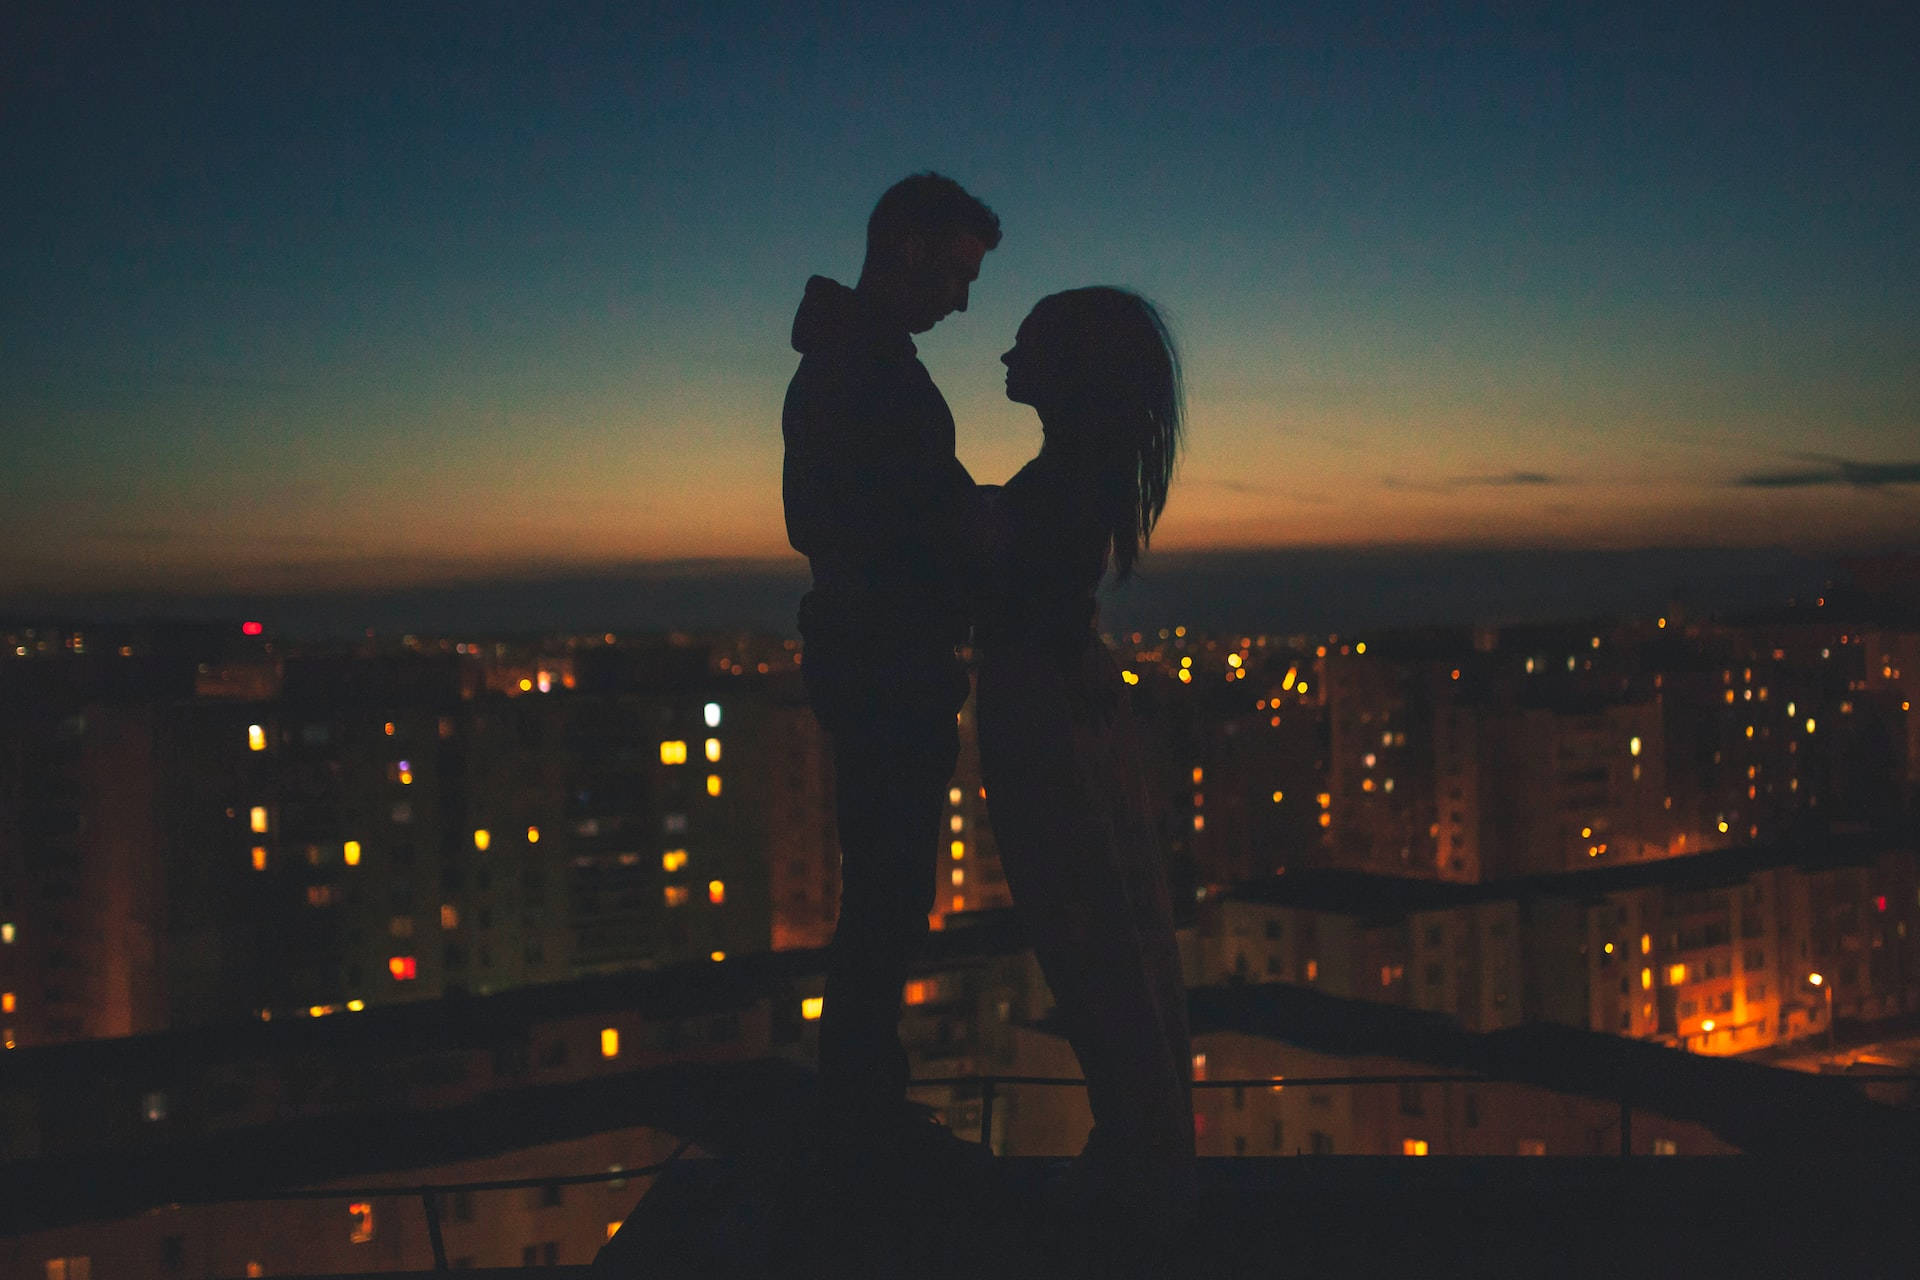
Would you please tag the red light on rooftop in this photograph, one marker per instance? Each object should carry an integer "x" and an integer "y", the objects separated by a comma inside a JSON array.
[{"x": 251, "y": 628}]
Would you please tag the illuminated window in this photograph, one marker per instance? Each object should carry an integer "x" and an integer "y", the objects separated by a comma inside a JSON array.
[
  {"x": 1413, "y": 1147},
  {"x": 350, "y": 851},
  {"x": 613, "y": 1229},
  {"x": 256, "y": 738},
  {"x": 533, "y": 835},
  {"x": 958, "y": 849},
  {"x": 673, "y": 859},
  {"x": 1326, "y": 819},
  {"x": 673, "y": 752},
  {"x": 482, "y": 838},
  {"x": 959, "y": 902},
  {"x": 957, "y": 823},
  {"x": 1199, "y": 822},
  {"x": 713, "y": 784},
  {"x": 716, "y": 956},
  {"x": 1646, "y": 979},
  {"x": 915, "y": 993},
  {"x": 389, "y": 728},
  {"x": 811, "y": 1006},
  {"x": 712, "y": 712},
  {"x": 1199, "y": 1066},
  {"x": 1313, "y": 970},
  {"x": 1646, "y": 943},
  {"x": 403, "y": 968},
  {"x": 1676, "y": 974},
  {"x": 609, "y": 1042},
  {"x": 7, "y": 933},
  {"x": 7, "y": 1002},
  {"x": 959, "y": 876},
  {"x": 1530, "y": 1147},
  {"x": 255, "y": 1269},
  {"x": 953, "y": 795},
  {"x": 362, "y": 1213},
  {"x": 449, "y": 916},
  {"x": 716, "y": 891},
  {"x": 713, "y": 750},
  {"x": 675, "y": 895},
  {"x": 356, "y": 1006},
  {"x": 259, "y": 857},
  {"x": 1633, "y": 746},
  {"x": 257, "y": 819}
]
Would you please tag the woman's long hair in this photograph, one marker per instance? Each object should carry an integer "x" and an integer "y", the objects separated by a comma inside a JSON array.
[{"x": 1122, "y": 382}]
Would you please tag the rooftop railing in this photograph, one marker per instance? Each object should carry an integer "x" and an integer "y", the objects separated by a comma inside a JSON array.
[{"x": 989, "y": 1086}]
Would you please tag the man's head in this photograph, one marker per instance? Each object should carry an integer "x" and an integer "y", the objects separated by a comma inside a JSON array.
[{"x": 925, "y": 240}]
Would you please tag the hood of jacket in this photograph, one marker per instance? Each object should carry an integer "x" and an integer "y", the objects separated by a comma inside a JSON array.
[{"x": 833, "y": 319}]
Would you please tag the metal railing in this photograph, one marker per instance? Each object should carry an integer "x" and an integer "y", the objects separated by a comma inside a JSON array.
[
  {"x": 990, "y": 1083},
  {"x": 430, "y": 1193}
]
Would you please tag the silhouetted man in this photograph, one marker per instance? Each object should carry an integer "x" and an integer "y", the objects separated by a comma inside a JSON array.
[{"x": 884, "y": 513}]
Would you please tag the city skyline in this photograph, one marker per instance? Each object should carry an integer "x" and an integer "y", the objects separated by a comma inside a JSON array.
[{"x": 357, "y": 300}]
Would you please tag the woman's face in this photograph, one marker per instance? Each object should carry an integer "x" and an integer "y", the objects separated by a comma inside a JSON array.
[{"x": 1033, "y": 362}]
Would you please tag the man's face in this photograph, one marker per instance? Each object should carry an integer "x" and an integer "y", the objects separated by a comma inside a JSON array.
[{"x": 941, "y": 271}]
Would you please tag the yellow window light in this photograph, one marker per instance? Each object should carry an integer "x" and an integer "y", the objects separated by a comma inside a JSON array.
[
  {"x": 716, "y": 891},
  {"x": 609, "y": 1042},
  {"x": 257, "y": 819},
  {"x": 713, "y": 750},
  {"x": 1413, "y": 1147},
  {"x": 350, "y": 851},
  {"x": 713, "y": 784},
  {"x": 259, "y": 857},
  {"x": 811, "y": 1006},
  {"x": 482, "y": 838},
  {"x": 958, "y": 849},
  {"x": 673, "y": 751},
  {"x": 256, "y": 738},
  {"x": 533, "y": 835},
  {"x": 673, "y": 859}
]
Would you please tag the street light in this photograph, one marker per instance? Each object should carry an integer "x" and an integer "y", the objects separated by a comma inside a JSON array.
[{"x": 1819, "y": 980}]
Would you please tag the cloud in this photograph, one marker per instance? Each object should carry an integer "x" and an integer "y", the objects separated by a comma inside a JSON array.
[
  {"x": 1835, "y": 471},
  {"x": 1450, "y": 484}
]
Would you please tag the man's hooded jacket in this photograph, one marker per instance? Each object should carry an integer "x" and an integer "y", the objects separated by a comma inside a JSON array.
[{"x": 875, "y": 498}]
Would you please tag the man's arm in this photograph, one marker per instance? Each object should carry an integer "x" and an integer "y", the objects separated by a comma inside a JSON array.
[{"x": 865, "y": 489}]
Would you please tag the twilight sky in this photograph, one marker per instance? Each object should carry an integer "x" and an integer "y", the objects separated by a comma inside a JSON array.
[{"x": 351, "y": 294}]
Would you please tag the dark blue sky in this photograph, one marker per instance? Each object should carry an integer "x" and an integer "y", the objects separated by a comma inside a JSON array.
[{"x": 378, "y": 293}]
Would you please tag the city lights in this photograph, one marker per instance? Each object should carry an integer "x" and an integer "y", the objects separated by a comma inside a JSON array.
[
  {"x": 256, "y": 738},
  {"x": 673, "y": 751},
  {"x": 350, "y": 853},
  {"x": 482, "y": 838}
]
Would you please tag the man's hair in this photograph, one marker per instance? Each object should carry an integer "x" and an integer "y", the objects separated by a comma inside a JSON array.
[{"x": 928, "y": 204}]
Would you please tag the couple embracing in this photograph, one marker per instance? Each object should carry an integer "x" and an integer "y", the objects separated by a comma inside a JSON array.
[{"x": 909, "y": 559}]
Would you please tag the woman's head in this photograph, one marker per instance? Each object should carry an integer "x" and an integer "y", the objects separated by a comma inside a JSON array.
[{"x": 1101, "y": 368}]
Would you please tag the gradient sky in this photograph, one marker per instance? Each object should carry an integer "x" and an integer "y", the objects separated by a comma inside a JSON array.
[{"x": 303, "y": 295}]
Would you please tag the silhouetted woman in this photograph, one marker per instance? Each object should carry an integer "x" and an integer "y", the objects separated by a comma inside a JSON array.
[{"x": 1065, "y": 789}]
